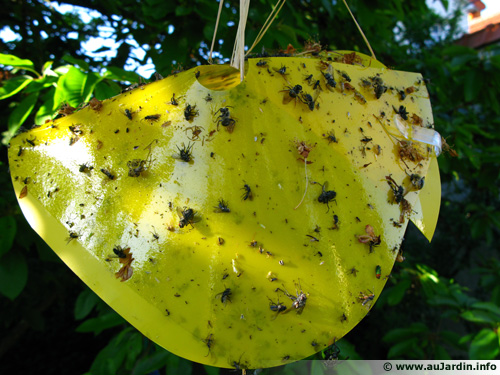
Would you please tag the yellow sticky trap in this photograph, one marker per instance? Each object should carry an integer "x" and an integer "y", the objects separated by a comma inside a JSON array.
[{"x": 237, "y": 225}]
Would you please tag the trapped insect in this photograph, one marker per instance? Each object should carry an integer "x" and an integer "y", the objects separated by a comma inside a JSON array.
[
  {"x": 247, "y": 192},
  {"x": 397, "y": 190},
  {"x": 366, "y": 298},
  {"x": 291, "y": 93},
  {"x": 299, "y": 300},
  {"x": 225, "y": 296},
  {"x": 187, "y": 216},
  {"x": 330, "y": 137},
  {"x": 190, "y": 112},
  {"x": 308, "y": 100},
  {"x": 326, "y": 196},
  {"x": 222, "y": 207},
  {"x": 225, "y": 119},
  {"x": 185, "y": 153}
]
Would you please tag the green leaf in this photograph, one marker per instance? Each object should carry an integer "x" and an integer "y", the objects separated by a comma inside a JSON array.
[
  {"x": 445, "y": 4},
  {"x": 40, "y": 84},
  {"x": 485, "y": 345},
  {"x": 480, "y": 316},
  {"x": 46, "y": 110},
  {"x": 473, "y": 84},
  {"x": 19, "y": 115},
  {"x": 441, "y": 353},
  {"x": 183, "y": 11},
  {"x": 13, "y": 274},
  {"x": 495, "y": 295},
  {"x": 16, "y": 62},
  {"x": 328, "y": 6},
  {"x": 133, "y": 347},
  {"x": 216, "y": 371},
  {"x": 397, "y": 292},
  {"x": 74, "y": 61},
  {"x": 46, "y": 68},
  {"x": 92, "y": 80},
  {"x": 443, "y": 300},
  {"x": 178, "y": 365},
  {"x": 153, "y": 362},
  {"x": 85, "y": 302},
  {"x": 99, "y": 324},
  {"x": 401, "y": 334},
  {"x": 110, "y": 358},
  {"x": 106, "y": 89},
  {"x": 121, "y": 75},
  {"x": 452, "y": 338},
  {"x": 7, "y": 233},
  {"x": 466, "y": 339},
  {"x": 71, "y": 87},
  {"x": 487, "y": 306},
  {"x": 402, "y": 348},
  {"x": 13, "y": 86}
]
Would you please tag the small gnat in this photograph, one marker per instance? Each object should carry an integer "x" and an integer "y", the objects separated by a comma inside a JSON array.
[
  {"x": 242, "y": 317},
  {"x": 348, "y": 114},
  {"x": 263, "y": 226},
  {"x": 255, "y": 139},
  {"x": 321, "y": 263},
  {"x": 279, "y": 185}
]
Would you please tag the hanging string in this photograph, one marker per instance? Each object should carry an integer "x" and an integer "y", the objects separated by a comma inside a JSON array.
[
  {"x": 266, "y": 25},
  {"x": 221, "y": 2},
  {"x": 361, "y": 31},
  {"x": 238, "y": 57}
]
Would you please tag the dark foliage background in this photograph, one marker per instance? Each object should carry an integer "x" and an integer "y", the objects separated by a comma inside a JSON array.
[{"x": 443, "y": 302}]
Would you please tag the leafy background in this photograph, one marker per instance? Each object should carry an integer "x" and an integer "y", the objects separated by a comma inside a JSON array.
[{"x": 443, "y": 302}]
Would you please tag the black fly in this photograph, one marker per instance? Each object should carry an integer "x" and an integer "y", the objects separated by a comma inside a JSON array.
[
  {"x": 397, "y": 190},
  {"x": 222, "y": 207},
  {"x": 128, "y": 114},
  {"x": 402, "y": 112},
  {"x": 344, "y": 75},
  {"x": 277, "y": 307},
  {"x": 225, "y": 296},
  {"x": 119, "y": 252},
  {"x": 291, "y": 93},
  {"x": 173, "y": 101},
  {"x": 326, "y": 196},
  {"x": 308, "y": 100},
  {"x": 330, "y": 81},
  {"x": 417, "y": 181},
  {"x": 190, "y": 112},
  {"x": 330, "y": 136},
  {"x": 247, "y": 192},
  {"x": 72, "y": 236},
  {"x": 108, "y": 174},
  {"x": 84, "y": 168},
  {"x": 152, "y": 117},
  {"x": 209, "y": 341},
  {"x": 281, "y": 70},
  {"x": 186, "y": 216}
]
